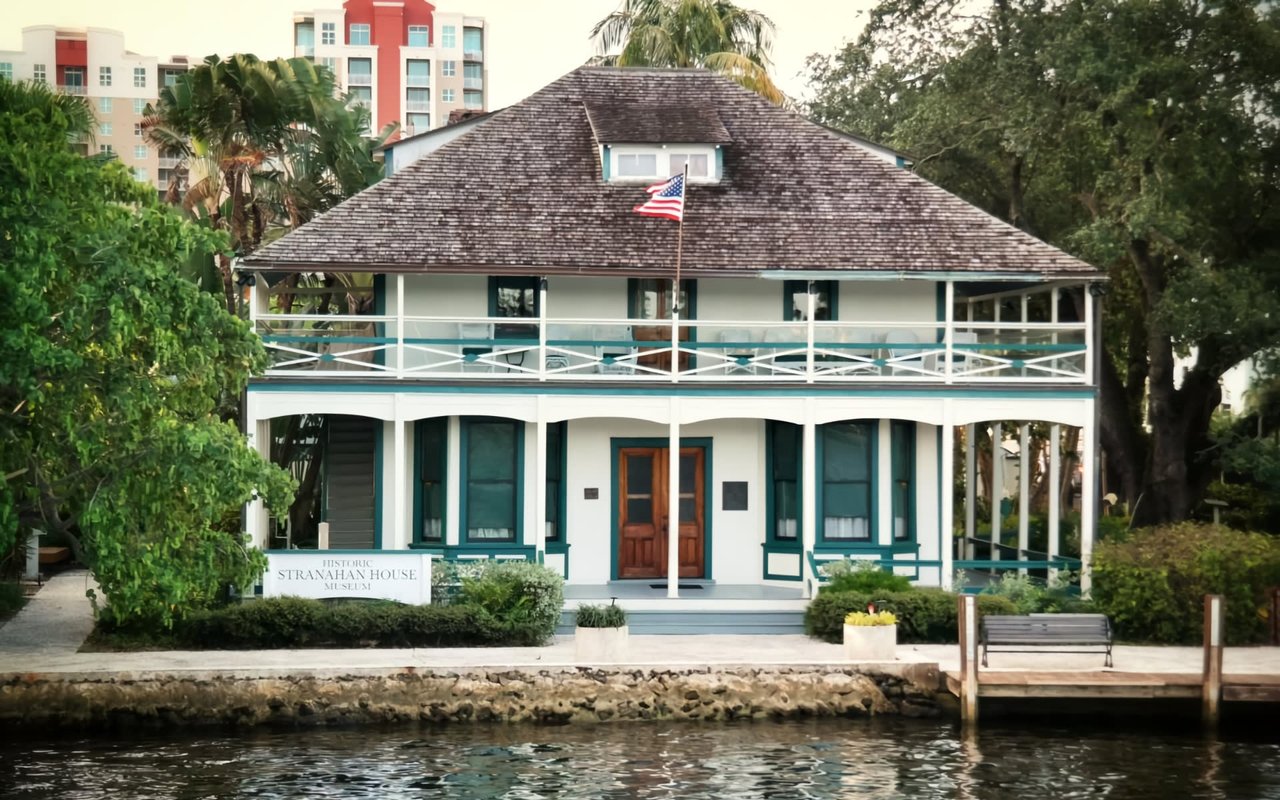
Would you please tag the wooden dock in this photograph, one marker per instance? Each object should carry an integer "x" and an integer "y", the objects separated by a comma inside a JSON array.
[
  {"x": 1211, "y": 685},
  {"x": 1083, "y": 685}
]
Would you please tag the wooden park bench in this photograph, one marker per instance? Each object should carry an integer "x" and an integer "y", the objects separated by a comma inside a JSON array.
[{"x": 1065, "y": 633}]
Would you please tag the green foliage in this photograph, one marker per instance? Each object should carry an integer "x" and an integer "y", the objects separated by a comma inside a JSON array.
[
  {"x": 281, "y": 622},
  {"x": 1136, "y": 134},
  {"x": 924, "y": 615},
  {"x": 1153, "y": 585},
  {"x": 862, "y": 619},
  {"x": 1032, "y": 596},
  {"x": 521, "y": 599},
  {"x": 11, "y": 598},
  {"x": 863, "y": 576},
  {"x": 111, "y": 367},
  {"x": 601, "y": 616},
  {"x": 715, "y": 34}
]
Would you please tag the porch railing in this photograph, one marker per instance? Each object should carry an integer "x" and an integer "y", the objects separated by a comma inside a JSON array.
[{"x": 507, "y": 348}]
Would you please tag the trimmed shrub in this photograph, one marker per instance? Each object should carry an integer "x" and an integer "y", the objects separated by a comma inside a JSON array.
[
  {"x": 610, "y": 616},
  {"x": 863, "y": 576},
  {"x": 519, "y": 599},
  {"x": 925, "y": 616},
  {"x": 1032, "y": 596},
  {"x": 12, "y": 598},
  {"x": 1153, "y": 585},
  {"x": 289, "y": 622}
]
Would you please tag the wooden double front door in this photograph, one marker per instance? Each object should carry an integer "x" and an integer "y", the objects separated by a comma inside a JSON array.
[{"x": 644, "y": 508}]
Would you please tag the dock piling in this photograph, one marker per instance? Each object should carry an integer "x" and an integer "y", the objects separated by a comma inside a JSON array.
[
  {"x": 1214, "y": 624},
  {"x": 967, "y": 618}
]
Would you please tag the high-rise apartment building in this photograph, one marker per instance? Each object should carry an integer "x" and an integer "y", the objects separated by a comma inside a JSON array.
[
  {"x": 405, "y": 60},
  {"x": 118, "y": 84}
]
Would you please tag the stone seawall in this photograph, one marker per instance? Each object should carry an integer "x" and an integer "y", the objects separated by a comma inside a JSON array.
[{"x": 516, "y": 694}]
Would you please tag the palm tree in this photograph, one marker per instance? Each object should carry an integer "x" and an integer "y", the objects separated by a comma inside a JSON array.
[
  {"x": 715, "y": 34},
  {"x": 24, "y": 97},
  {"x": 267, "y": 145}
]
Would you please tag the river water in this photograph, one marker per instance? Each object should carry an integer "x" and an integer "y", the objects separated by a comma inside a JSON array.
[{"x": 854, "y": 759}]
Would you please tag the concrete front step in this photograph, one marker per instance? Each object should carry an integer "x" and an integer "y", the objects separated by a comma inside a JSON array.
[{"x": 705, "y": 622}]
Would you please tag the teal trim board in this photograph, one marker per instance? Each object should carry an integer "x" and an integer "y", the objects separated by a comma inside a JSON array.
[
  {"x": 380, "y": 309},
  {"x": 378, "y": 433},
  {"x": 306, "y": 385},
  {"x": 420, "y": 440},
  {"x": 708, "y": 497}
]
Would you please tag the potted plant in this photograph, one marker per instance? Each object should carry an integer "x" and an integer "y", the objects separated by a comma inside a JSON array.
[
  {"x": 870, "y": 636},
  {"x": 601, "y": 634}
]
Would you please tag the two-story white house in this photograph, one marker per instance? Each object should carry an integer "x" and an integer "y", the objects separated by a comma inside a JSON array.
[{"x": 477, "y": 355}]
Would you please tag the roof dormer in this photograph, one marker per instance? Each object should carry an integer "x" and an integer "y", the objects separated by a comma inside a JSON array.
[{"x": 643, "y": 143}]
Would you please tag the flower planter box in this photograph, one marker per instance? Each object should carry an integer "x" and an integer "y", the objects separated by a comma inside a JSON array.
[
  {"x": 870, "y": 642},
  {"x": 601, "y": 645}
]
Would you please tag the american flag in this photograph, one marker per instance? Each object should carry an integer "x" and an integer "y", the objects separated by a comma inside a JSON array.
[{"x": 666, "y": 199}]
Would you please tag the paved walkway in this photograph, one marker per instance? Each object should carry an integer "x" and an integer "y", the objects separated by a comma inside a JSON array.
[{"x": 45, "y": 636}]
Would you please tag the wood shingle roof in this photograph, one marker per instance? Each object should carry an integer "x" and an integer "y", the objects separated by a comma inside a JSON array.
[{"x": 524, "y": 194}]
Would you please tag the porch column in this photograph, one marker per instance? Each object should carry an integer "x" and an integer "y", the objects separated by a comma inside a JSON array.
[
  {"x": 673, "y": 500},
  {"x": 970, "y": 489},
  {"x": 539, "y": 487},
  {"x": 1090, "y": 339},
  {"x": 256, "y": 520},
  {"x": 1088, "y": 497},
  {"x": 542, "y": 343},
  {"x": 808, "y": 495},
  {"x": 997, "y": 487},
  {"x": 946, "y": 511},
  {"x": 1055, "y": 493},
  {"x": 883, "y": 534},
  {"x": 1024, "y": 493},
  {"x": 949, "y": 332},
  {"x": 399, "y": 482}
]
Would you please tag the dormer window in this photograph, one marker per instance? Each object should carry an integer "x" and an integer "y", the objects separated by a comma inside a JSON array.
[
  {"x": 638, "y": 163},
  {"x": 640, "y": 143}
]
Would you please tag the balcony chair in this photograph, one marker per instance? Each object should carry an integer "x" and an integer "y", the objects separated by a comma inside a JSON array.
[
  {"x": 566, "y": 356},
  {"x": 789, "y": 338},
  {"x": 473, "y": 355},
  {"x": 961, "y": 360},
  {"x": 738, "y": 352},
  {"x": 613, "y": 343},
  {"x": 903, "y": 360}
]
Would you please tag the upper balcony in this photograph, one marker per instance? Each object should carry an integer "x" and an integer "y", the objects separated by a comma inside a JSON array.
[{"x": 886, "y": 333}]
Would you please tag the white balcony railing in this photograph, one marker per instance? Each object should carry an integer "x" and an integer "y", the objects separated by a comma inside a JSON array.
[
  {"x": 418, "y": 81},
  {"x": 705, "y": 351},
  {"x": 169, "y": 162},
  {"x": 417, "y": 105},
  {"x": 304, "y": 50},
  {"x": 473, "y": 83},
  {"x": 473, "y": 55},
  {"x": 359, "y": 79},
  {"x": 71, "y": 88}
]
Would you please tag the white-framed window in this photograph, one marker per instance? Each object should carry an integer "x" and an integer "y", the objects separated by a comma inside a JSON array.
[
  {"x": 328, "y": 33},
  {"x": 104, "y": 129},
  {"x": 140, "y": 174},
  {"x": 449, "y": 36},
  {"x": 419, "y": 36},
  {"x": 38, "y": 73},
  {"x": 331, "y": 64},
  {"x": 139, "y": 151},
  {"x": 137, "y": 130},
  {"x": 139, "y": 105},
  {"x": 472, "y": 99},
  {"x": 104, "y": 76},
  {"x": 417, "y": 100},
  {"x": 446, "y": 96},
  {"x": 106, "y": 149},
  {"x": 359, "y": 34},
  {"x": 698, "y": 164},
  {"x": 634, "y": 161},
  {"x": 361, "y": 95},
  {"x": 6, "y": 70},
  {"x": 448, "y": 69},
  {"x": 139, "y": 77},
  {"x": 418, "y": 123},
  {"x": 359, "y": 71},
  {"x": 637, "y": 165},
  {"x": 104, "y": 105}
]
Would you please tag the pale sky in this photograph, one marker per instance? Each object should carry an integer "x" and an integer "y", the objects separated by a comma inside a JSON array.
[{"x": 530, "y": 42}]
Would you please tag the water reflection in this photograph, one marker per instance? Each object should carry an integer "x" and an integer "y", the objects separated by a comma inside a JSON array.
[{"x": 858, "y": 760}]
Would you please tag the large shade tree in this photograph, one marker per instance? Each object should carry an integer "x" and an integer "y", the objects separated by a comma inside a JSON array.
[
  {"x": 715, "y": 34},
  {"x": 267, "y": 145},
  {"x": 1140, "y": 135},
  {"x": 111, "y": 364}
]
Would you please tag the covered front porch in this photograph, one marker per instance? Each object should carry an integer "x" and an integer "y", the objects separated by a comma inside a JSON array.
[{"x": 766, "y": 487}]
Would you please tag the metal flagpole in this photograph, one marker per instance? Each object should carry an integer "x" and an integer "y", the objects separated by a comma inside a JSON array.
[{"x": 675, "y": 287}]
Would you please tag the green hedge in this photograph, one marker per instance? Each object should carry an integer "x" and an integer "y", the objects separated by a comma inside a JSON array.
[
  {"x": 1153, "y": 585},
  {"x": 289, "y": 622},
  {"x": 925, "y": 616}
]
